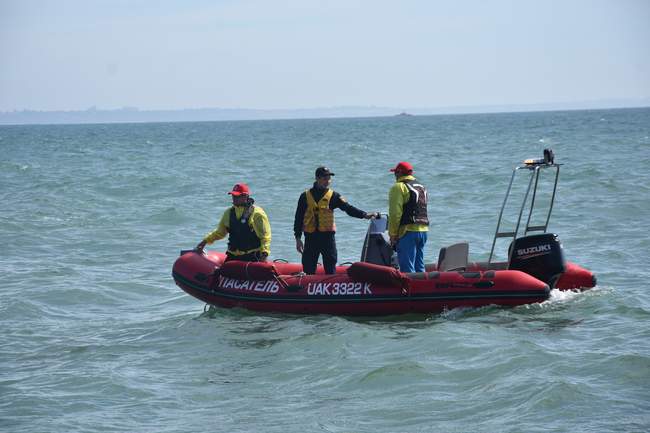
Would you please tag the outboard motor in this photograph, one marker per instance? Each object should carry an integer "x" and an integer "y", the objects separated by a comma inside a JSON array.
[
  {"x": 540, "y": 256},
  {"x": 376, "y": 247}
]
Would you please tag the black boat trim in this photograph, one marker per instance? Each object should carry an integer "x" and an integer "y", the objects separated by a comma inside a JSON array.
[{"x": 313, "y": 299}]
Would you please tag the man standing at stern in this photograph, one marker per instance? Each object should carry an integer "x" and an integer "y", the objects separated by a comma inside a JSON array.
[
  {"x": 407, "y": 218},
  {"x": 315, "y": 217},
  {"x": 247, "y": 227}
]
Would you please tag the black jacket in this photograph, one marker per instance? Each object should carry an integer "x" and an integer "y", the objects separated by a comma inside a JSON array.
[{"x": 336, "y": 202}]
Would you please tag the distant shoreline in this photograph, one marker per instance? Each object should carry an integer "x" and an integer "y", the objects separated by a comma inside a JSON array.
[{"x": 133, "y": 115}]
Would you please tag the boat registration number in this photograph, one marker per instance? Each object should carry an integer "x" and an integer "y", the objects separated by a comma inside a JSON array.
[{"x": 337, "y": 289}]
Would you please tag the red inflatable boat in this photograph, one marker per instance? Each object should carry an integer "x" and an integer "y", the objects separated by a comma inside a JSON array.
[
  {"x": 374, "y": 287},
  {"x": 361, "y": 289}
]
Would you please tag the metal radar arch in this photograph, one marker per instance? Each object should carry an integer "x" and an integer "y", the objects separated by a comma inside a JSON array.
[{"x": 532, "y": 168}]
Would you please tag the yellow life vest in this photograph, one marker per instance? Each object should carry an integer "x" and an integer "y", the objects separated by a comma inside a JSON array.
[{"x": 319, "y": 216}]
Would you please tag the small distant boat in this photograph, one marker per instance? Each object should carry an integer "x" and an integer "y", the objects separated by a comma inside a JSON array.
[
  {"x": 404, "y": 114},
  {"x": 373, "y": 287}
]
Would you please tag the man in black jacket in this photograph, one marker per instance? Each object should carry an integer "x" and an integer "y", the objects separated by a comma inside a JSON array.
[{"x": 315, "y": 217}]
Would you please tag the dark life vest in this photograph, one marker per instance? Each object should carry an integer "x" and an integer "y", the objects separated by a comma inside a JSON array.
[
  {"x": 415, "y": 210},
  {"x": 242, "y": 237}
]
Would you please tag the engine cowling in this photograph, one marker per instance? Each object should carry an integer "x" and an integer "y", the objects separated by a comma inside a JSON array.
[{"x": 539, "y": 255}]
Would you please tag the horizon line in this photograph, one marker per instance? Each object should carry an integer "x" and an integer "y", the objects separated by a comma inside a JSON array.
[
  {"x": 239, "y": 114},
  {"x": 133, "y": 108}
]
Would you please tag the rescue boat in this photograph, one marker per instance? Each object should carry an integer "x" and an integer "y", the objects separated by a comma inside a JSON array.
[{"x": 374, "y": 287}]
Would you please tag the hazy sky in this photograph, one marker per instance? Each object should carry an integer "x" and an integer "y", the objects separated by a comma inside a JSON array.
[{"x": 73, "y": 54}]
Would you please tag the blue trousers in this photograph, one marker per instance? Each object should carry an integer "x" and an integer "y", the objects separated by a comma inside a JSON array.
[{"x": 410, "y": 251}]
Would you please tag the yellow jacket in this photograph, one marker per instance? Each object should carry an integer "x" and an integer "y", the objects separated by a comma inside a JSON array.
[
  {"x": 258, "y": 221},
  {"x": 398, "y": 196}
]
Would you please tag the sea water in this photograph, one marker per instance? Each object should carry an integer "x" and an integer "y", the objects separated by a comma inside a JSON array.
[{"x": 97, "y": 338}]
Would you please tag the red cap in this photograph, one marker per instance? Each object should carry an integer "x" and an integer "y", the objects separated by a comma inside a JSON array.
[
  {"x": 403, "y": 167},
  {"x": 240, "y": 189}
]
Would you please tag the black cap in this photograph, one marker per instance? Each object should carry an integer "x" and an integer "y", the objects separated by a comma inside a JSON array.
[{"x": 323, "y": 171}]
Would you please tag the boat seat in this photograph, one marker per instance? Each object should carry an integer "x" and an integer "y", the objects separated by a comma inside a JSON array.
[{"x": 454, "y": 257}]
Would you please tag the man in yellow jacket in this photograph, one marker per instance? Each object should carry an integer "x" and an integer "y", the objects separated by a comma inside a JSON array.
[
  {"x": 408, "y": 222},
  {"x": 247, "y": 227}
]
